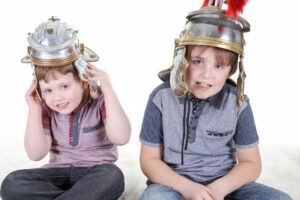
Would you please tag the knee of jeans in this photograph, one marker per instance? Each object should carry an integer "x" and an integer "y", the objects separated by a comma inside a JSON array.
[
  {"x": 157, "y": 191},
  {"x": 115, "y": 173},
  {"x": 285, "y": 196},
  {"x": 9, "y": 185},
  {"x": 279, "y": 195}
]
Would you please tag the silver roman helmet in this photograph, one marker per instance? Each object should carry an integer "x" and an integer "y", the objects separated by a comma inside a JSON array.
[
  {"x": 210, "y": 26},
  {"x": 54, "y": 43}
]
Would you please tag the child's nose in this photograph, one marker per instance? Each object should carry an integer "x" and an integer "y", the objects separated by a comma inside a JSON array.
[
  {"x": 206, "y": 73},
  {"x": 57, "y": 95}
]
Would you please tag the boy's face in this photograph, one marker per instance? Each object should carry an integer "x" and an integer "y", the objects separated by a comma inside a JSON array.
[
  {"x": 62, "y": 93},
  {"x": 205, "y": 76}
]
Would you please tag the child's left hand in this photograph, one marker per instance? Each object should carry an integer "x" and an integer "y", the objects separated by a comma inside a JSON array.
[{"x": 96, "y": 74}]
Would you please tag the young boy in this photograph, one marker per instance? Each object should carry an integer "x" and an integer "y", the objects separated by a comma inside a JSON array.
[
  {"x": 77, "y": 124},
  {"x": 199, "y": 140}
]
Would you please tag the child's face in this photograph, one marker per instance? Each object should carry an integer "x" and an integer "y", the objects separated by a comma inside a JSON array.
[
  {"x": 205, "y": 76},
  {"x": 62, "y": 93}
]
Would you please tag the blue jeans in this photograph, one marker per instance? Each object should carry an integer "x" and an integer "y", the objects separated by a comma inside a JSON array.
[
  {"x": 251, "y": 191},
  {"x": 100, "y": 182}
]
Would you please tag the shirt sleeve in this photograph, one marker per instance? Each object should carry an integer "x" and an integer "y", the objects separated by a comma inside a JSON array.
[
  {"x": 102, "y": 109},
  {"x": 46, "y": 120},
  {"x": 246, "y": 134},
  {"x": 152, "y": 132}
]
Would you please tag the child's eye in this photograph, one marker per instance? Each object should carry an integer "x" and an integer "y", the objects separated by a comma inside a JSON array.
[
  {"x": 65, "y": 86},
  {"x": 47, "y": 91},
  {"x": 198, "y": 61},
  {"x": 219, "y": 67}
]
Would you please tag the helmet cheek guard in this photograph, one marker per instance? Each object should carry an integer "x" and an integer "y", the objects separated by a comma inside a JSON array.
[
  {"x": 54, "y": 43},
  {"x": 179, "y": 66},
  {"x": 209, "y": 26}
]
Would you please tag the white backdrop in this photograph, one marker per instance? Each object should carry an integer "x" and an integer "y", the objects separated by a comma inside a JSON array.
[{"x": 134, "y": 39}]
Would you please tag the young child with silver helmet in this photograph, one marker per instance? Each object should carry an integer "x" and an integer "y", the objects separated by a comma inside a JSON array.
[
  {"x": 199, "y": 140},
  {"x": 75, "y": 115}
]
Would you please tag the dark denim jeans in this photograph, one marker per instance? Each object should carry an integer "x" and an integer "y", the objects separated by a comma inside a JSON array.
[{"x": 100, "y": 182}]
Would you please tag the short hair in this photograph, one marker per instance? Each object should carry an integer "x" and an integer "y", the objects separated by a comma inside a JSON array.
[
  {"x": 223, "y": 56},
  {"x": 43, "y": 73}
]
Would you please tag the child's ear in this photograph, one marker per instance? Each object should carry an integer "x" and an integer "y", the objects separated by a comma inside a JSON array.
[{"x": 84, "y": 85}]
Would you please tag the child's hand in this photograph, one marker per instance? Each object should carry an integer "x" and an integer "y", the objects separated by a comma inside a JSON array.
[
  {"x": 196, "y": 191},
  {"x": 31, "y": 97},
  {"x": 96, "y": 74},
  {"x": 216, "y": 191}
]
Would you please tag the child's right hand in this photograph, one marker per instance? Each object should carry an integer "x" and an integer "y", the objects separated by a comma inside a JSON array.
[
  {"x": 196, "y": 191},
  {"x": 31, "y": 97}
]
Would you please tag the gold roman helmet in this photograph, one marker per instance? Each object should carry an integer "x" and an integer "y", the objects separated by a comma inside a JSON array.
[
  {"x": 54, "y": 43},
  {"x": 210, "y": 26}
]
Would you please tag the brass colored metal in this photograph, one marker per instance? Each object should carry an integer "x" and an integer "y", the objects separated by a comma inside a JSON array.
[
  {"x": 70, "y": 49},
  {"x": 240, "y": 97},
  {"x": 54, "y": 62},
  {"x": 176, "y": 43},
  {"x": 26, "y": 59},
  {"x": 81, "y": 46},
  {"x": 50, "y": 30},
  {"x": 210, "y": 41},
  {"x": 210, "y": 8},
  {"x": 28, "y": 50}
]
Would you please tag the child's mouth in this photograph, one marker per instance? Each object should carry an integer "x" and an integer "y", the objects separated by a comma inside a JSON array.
[
  {"x": 62, "y": 105},
  {"x": 203, "y": 85}
]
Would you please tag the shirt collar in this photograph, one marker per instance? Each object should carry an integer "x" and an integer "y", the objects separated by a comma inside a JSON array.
[
  {"x": 215, "y": 100},
  {"x": 88, "y": 102}
]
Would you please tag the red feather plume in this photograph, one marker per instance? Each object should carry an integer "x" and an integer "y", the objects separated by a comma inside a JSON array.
[
  {"x": 235, "y": 7},
  {"x": 205, "y": 3}
]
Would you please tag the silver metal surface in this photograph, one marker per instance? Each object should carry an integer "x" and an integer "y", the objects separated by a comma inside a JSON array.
[
  {"x": 178, "y": 86},
  {"x": 52, "y": 40},
  {"x": 208, "y": 26},
  {"x": 81, "y": 65},
  {"x": 54, "y": 43},
  {"x": 214, "y": 23}
]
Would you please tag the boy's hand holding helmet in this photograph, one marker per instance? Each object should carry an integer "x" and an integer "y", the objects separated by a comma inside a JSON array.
[
  {"x": 98, "y": 75},
  {"x": 31, "y": 97}
]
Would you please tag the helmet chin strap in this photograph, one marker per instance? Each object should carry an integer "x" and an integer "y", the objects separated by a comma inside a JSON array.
[
  {"x": 240, "y": 97},
  {"x": 37, "y": 87}
]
